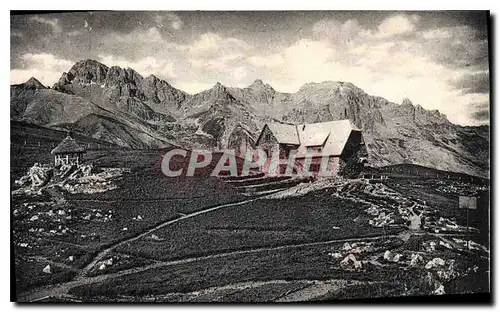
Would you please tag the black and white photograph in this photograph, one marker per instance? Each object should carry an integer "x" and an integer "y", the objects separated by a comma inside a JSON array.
[{"x": 250, "y": 156}]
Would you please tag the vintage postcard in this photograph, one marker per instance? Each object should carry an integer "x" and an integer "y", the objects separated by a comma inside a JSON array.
[{"x": 249, "y": 156}]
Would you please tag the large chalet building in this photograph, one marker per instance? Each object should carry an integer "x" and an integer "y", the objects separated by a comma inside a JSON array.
[{"x": 340, "y": 141}]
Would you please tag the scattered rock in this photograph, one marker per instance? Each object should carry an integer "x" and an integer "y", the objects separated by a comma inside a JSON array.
[
  {"x": 350, "y": 263},
  {"x": 439, "y": 290},
  {"x": 336, "y": 255},
  {"x": 441, "y": 243},
  {"x": 47, "y": 270},
  {"x": 415, "y": 259},
  {"x": 436, "y": 262},
  {"x": 387, "y": 255}
]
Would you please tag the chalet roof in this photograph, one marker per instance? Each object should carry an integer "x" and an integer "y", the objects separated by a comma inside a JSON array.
[
  {"x": 68, "y": 145},
  {"x": 311, "y": 139},
  {"x": 284, "y": 133},
  {"x": 331, "y": 136}
]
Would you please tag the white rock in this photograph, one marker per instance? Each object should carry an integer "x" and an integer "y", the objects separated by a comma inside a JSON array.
[
  {"x": 439, "y": 291},
  {"x": 71, "y": 258},
  {"x": 336, "y": 255},
  {"x": 415, "y": 259},
  {"x": 125, "y": 229},
  {"x": 34, "y": 218},
  {"x": 47, "y": 269},
  {"x": 387, "y": 255},
  {"x": 102, "y": 267},
  {"x": 350, "y": 259},
  {"x": 434, "y": 263},
  {"x": 441, "y": 243}
]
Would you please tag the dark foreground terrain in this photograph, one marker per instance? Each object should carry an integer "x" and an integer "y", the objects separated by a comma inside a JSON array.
[{"x": 136, "y": 235}]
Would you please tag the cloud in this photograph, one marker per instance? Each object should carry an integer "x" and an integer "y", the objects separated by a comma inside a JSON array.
[
  {"x": 473, "y": 83},
  {"x": 481, "y": 116},
  {"x": 457, "y": 46},
  {"x": 342, "y": 33},
  {"x": 145, "y": 66},
  {"x": 173, "y": 20},
  {"x": 397, "y": 25},
  {"x": 73, "y": 33},
  {"x": 214, "y": 57},
  {"x": 52, "y": 22},
  {"x": 45, "y": 67}
]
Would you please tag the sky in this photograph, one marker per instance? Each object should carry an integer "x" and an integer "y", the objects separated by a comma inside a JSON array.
[{"x": 438, "y": 59}]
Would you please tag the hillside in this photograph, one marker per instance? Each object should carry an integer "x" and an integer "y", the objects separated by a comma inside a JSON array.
[{"x": 120, "y": 106}]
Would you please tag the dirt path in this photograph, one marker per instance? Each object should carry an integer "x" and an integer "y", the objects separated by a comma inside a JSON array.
[
  {"x": 310, "y": 292},
  {"x": 104, "y": 252},
  {"x": 55, "y": 264},
  {"x": 151, "y": 200},
  {"x": 81, "y": 279},
  {"x": 61, "y": 289}
]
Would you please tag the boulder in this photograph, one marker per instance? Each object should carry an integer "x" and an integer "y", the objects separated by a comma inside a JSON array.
[
  {"x": 436, "y": 262},
  {"x": 47, "y": 270},
  {"x": 350, "y": 263}
]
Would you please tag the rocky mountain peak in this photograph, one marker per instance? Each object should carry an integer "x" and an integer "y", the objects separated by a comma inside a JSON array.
[
  {"x": 152, "y": 78},
  {"x": 406, "y": 102},
  {"x": 117, "y": 74},
  {"x": 218, "y": 89},
  {"x": 257, "y": 83},
  {"x": 87, "y": 71},
  {"x": 33, "y": 84}
]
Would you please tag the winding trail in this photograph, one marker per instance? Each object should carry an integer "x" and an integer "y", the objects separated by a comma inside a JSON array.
[
  {"x": 61, "y": 289},
  {"x": 82, "y": 278},
  {"x": 104, "y": 252}
]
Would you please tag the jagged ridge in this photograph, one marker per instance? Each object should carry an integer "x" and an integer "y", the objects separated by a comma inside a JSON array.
[{"x": 225, "y": 117}]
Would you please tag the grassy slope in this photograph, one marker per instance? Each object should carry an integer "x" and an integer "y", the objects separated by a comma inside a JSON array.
[{"x": 260, "y": 223}]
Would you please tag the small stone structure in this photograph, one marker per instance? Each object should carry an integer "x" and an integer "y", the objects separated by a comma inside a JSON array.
[{"x": 68, "y": 152}]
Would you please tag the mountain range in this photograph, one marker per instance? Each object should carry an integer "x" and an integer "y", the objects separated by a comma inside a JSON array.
[{"x": 120, "y": 106}]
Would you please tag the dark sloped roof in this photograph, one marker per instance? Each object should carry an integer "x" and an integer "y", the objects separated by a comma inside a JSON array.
[
  {"x": 331, "y": 135},
  {"x": 284, "y": 134},
  {"x": 68, "y": 145}
]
